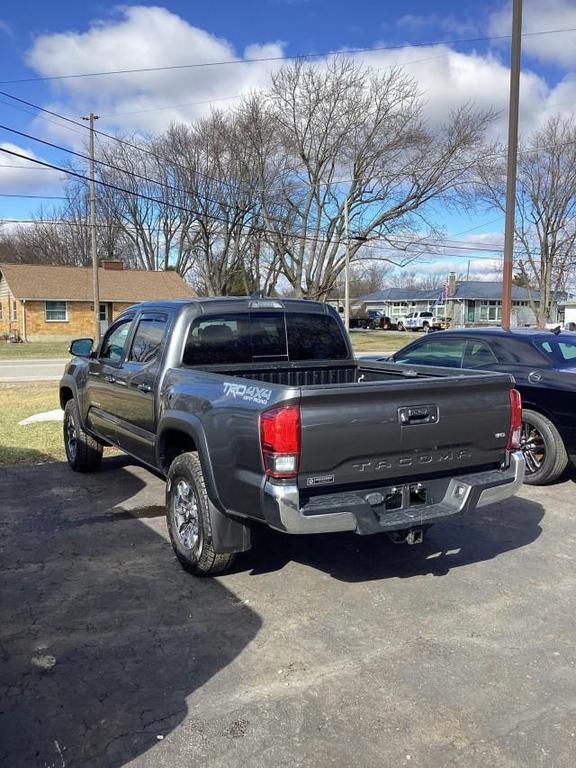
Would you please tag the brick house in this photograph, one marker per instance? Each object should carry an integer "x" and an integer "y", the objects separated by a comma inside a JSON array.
[{"x": 48, "y": 303}]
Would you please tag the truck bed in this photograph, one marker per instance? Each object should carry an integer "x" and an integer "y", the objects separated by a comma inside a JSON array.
[{"x": 351, "y": 418}]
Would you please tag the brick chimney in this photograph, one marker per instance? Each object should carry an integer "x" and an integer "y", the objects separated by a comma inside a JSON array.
[
  {"x": 451, "y": 283},
  {"x": 113, "y": 264}
]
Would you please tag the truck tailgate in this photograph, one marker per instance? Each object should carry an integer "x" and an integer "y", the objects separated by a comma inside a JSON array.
[{"x": 375, "y": 431}]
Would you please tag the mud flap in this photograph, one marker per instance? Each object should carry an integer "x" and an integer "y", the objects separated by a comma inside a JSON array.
[{"x": 228, "y": 534}]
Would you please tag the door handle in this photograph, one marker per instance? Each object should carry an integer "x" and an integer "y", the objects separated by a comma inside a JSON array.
[
  {"x": 110, "y": 379},
  {"x": 144, "y": 387}
]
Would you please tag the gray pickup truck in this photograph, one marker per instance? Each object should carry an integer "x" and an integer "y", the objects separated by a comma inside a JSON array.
[{"x": 256, "y": 411}]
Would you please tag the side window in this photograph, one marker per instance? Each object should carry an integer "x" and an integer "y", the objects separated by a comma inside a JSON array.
[
  {"x": 478, "y": 355},
  {"x": 443, "y": 352},
  {"x": 148, "y": 338},
  {"x": 115, "y": 340}
]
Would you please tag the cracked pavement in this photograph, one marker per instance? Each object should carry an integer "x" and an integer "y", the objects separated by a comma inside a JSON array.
[{"x": 316, "y": 651}]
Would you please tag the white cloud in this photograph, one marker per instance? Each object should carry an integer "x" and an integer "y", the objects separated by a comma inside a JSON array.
[
  {"x": 17, "y": 176},
  {"x": 147, "y": 37},
  {"x": 448, "y": 79},
  {"x": 538, "y": 16},
  {"x": 152, "y": 37}
]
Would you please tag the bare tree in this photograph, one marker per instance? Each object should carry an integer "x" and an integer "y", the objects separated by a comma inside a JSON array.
[
  {"x": 545, "y": 210},
  {"x": 347, "y": 134}
]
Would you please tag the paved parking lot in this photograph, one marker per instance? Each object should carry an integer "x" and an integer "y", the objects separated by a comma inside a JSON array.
[{"x": 318, "y": 651}]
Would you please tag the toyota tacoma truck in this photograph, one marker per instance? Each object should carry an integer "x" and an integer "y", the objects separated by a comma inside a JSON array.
[{"x": 257, "y": 412}]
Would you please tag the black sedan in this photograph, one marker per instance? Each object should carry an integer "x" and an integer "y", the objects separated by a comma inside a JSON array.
[{"x": 543, "y": 364}]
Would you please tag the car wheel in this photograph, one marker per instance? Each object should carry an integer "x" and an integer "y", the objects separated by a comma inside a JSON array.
[
  {"x": 83, "y": 452},
  {"x": 426, "y": 327},
  {"x": 543, "y": 449},
  {"x": 188, "y": 518}
]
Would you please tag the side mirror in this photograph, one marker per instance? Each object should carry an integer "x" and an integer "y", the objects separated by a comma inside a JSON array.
[{"x": 81, "y": 347}]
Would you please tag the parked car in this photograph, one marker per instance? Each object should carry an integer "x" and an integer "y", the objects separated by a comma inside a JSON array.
[
  {"x": 256, "y": 411},
  {"x": 543, "y": 364},
  {"x": 371, "y": 319},
  {"x": 422, "y": 321},
  {"x": 382, "y": 321}
]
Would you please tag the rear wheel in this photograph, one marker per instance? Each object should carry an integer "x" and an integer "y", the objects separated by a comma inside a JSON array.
[
  {"x": 426, "y": 328},
  {"x": 83, "y": 452},
  {"x": 188, "y": 518},
  {"x": 543, "y": 449}
]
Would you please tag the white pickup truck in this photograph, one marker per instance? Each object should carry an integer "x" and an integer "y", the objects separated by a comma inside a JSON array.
[{"x": 422, "y": 321}]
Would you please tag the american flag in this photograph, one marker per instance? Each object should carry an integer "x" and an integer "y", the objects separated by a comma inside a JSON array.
[{"x": 444, "y": 295}]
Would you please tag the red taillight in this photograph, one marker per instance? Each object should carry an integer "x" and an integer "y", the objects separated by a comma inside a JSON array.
[
  {"x": 280, "y": 440},
  {"x": 515, "y": 420}
]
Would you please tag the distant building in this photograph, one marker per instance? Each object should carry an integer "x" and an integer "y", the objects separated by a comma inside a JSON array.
[
  {"x": 467, "y": 302},
  {"x": 47, "y": 303}
]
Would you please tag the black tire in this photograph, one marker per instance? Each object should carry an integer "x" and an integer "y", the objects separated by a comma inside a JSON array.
[
  {"x": 426, "y": 327},
  {"x": 544, "y": 451},
  {"x": 189, "y": 521},
  {"x": 83, "y": 452}
]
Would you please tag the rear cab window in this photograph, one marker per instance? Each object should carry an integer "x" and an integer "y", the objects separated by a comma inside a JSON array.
[{"x": 260, "y": 337}]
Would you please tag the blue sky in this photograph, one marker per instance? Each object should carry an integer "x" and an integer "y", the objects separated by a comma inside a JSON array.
[{"x": 39, "y": 39}]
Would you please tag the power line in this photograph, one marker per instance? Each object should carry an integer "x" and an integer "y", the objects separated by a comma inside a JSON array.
[
  {"x": 164, "y": 158},
  {"x": 24, "y": 167},
  {"x": 124, "y": 171},
  {"x": 239, "y": 95},
  {"x": 173, "y": 206},
  {"x": 404, "y": 242},
  {"x": 40, "y": 197},
  {"x": 270, "y": 59}
]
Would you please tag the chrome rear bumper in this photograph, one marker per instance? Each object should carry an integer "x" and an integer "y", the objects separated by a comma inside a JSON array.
[{"x": 350, "y": 511}]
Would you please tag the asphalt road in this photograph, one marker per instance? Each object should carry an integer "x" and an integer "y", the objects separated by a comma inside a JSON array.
[
  {"x": 31, "y": 370},
  {"x": 317, "y": 651}
]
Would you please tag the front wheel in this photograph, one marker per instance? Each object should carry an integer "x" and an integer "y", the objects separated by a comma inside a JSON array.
[
  {"x": 543, "y": 449},
  {"x": 188, "y": 518},
  {"x": 83, "y": 452}
]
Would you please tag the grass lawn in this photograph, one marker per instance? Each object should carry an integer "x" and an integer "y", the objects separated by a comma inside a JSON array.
[
  {"x": 33, "y": 443},
  {"x": 32, "y": 349},
  {"x": 381, "y": 341}
]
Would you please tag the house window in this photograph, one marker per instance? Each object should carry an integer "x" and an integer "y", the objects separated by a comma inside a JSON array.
[
  {"x": 102, "y": 313},
  {"x": 14, "y": 314},
  {"x": 56, "y": 311},
  {"x": 490, "y": 310}
]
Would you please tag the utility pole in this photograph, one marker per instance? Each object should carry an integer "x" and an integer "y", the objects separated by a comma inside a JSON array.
[
  {"x": 347, "y": 269},
  {"x": 93, "y": 246},
  {"x": 512, "y": 162}
]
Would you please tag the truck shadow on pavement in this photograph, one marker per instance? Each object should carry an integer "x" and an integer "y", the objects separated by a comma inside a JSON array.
[
  {"x": 103, "y": 634},
  {"x": 490, "y": 532}
]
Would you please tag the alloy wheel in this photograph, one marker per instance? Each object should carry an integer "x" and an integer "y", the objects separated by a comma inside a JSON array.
[
  {"x": 185, "y": 514},
  {"x": 71, "y": 437},
  {"x": 533, "y": 447}
]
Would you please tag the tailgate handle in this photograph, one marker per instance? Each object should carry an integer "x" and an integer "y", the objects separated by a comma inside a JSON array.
[{"x": 418, "y": 414}]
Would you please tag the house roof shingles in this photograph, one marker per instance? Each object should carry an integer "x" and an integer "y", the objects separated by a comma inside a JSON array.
[
  {"x": 40, "y": 282},
  {"x": 467, "y": 289}
]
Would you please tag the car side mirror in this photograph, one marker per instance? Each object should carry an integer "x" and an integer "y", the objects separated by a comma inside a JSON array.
[{"x": 81, "y": 347}]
